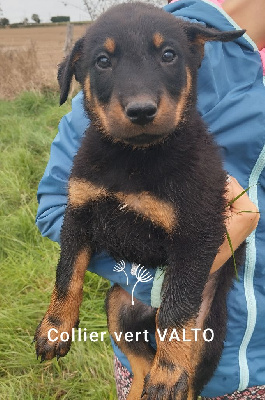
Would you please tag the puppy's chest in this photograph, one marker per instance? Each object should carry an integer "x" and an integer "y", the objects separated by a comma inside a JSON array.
[{"x": 125, "y": 223}]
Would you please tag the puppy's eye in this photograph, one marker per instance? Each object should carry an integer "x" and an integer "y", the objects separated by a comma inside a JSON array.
[
  {"x": 103, "y": 62},
  {"x": 168, "y": 56}
]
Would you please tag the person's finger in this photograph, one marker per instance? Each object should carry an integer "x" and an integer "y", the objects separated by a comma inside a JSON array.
[{"x": 242, "y": 202}]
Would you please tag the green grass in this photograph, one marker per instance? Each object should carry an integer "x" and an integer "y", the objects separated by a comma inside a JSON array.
[{"x": 28, "y": 262}]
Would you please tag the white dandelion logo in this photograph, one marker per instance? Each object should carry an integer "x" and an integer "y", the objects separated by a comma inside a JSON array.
[
  {"x": 120, "y": 267},
  {"x": 142, "y": 275}
]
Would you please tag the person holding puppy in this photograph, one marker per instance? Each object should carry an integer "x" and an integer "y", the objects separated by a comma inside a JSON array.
[{"x": 231, "y": 98}]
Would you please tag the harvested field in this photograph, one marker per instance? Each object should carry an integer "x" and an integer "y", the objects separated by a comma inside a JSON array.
[{"x": 42, "y": 47}]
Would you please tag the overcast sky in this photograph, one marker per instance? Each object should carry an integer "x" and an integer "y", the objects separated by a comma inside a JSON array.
[{"x": 17, "y": 10}]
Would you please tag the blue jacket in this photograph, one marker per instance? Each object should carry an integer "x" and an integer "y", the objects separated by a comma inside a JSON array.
[{"x": 231, "y": 100}]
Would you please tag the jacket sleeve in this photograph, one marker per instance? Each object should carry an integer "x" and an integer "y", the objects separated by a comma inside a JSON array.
[{"x": 52, "y": 190}]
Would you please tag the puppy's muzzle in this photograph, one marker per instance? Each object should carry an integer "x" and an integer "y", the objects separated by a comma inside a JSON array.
[{"x": 141, "y": 113}]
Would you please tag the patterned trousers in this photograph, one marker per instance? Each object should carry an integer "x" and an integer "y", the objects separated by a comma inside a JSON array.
[{"x": 123, "y": 379}]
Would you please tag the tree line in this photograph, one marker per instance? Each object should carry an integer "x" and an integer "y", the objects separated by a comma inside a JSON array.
[
  {"x": 92, "y": 7},
  {"x": 95, "y": 7}
]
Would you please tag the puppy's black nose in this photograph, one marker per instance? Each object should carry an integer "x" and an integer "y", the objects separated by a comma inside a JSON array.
[{"x": 141, "y": 113}]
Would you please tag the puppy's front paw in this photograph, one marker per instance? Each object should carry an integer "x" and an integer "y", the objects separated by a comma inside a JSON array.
[
  {"x": 166, "y": 382},
  {"x": 53, "y": 337}
]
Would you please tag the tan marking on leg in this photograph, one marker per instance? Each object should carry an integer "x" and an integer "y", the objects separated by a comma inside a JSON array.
[
  {"x": 178, "y": 352},
  {"x": 185, "y": 356},
  {"x": 140, "y": 364},
  {"x": 183, "y": 99},
  {"x": 78, "y": 276},
  {"x": 138, "y": 375},
  {"x": 110, "y": 45},
  {"x": 160, "y": 212},
  {"x": 66, "y": 309},
  {"x": 173, "y": 362},
  {"x": 158, "y": 39},
  {"x": 81, "y": 192}
]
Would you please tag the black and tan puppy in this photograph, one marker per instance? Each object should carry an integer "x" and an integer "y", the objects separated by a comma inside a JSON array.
[{"x": 147, "y": 186}]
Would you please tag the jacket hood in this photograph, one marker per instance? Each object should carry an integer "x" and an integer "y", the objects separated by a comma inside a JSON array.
[{"x": 208, "y": 13}]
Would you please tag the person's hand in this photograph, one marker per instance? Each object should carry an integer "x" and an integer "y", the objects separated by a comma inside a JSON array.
[{"x": 242, "y": 219}]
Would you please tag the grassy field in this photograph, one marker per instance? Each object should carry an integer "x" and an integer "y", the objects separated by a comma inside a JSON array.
[
  {"x": 29, "y": 57},
  {"x": 28, "y": 261},
  {"x": 47, "y": 40}
]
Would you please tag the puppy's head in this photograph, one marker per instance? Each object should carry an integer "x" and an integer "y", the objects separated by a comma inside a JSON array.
[{"x": 137, "y": 66}]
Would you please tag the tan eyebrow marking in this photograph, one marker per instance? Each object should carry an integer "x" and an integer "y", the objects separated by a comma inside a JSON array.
[
  {"x": 110, "y": 45},
  {"x": 158, "y": 39}
]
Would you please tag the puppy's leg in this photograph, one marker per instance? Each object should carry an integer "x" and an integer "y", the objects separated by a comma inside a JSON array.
[
  {"x": 135, "y": 321},
  {"x": 215, "y": 319},
  {"x": 178, "y": 353},
  {"x": 53, "y": 335}
]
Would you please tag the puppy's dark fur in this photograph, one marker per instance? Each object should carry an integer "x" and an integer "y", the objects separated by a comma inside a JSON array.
[{"x": 147, "y": 186}]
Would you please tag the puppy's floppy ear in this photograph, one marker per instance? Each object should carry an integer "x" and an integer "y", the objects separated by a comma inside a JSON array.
[
  {"x": 68, "y": 68},
  {"x": 198, "y": 35}
]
